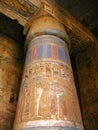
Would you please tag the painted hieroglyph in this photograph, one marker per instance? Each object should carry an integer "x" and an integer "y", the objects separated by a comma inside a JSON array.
[{"x": 48, "y": 94}]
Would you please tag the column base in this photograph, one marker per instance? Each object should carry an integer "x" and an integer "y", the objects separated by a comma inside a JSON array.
[
  {"x": 49, "y": 125},
  {"x": 52, "y": 128}
]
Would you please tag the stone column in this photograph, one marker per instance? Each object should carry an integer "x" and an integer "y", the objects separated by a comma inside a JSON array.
[
  {"x": 48, "y": 98},
  {"x": 10, "y": 77}
]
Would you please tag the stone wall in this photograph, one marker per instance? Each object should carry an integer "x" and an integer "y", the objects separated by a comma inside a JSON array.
[
  {"x": 87, "y": 71},
  {"x": 10, "y": 78}
]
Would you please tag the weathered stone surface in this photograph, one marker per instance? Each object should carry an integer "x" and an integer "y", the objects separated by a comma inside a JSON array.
[
  {"x": 23, "y": 10},
  {"x": 87, "y": 70},
  {"x": 10, "y": 77},
  {"x": 48, "y": 97}
]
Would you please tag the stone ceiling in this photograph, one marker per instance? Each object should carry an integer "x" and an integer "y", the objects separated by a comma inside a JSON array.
[
  {"x": 86, "y": 11},
  {"x": 83, "y": 11}
]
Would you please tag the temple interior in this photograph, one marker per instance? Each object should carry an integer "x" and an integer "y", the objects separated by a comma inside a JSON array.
[{"x": 84, "y": 55}]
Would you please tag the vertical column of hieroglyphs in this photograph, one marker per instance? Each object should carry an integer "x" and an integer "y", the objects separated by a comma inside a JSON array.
[
  {"x": 10, "y": 72},
  {"x": 48, "y": 98}
]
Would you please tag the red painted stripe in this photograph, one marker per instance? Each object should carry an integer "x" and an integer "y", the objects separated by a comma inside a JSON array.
[
  {"x": 35, "y": 51},
  {"x": 64, "y": 109},
  {"x": 54, "y": 52},
  {"x": 53, "y": 107}
]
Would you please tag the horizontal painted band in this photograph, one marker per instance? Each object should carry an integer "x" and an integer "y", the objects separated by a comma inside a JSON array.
[
  {"x": 47, "y": 47},
  {"x": 43, "y": 35},
  {"x": 52, "y": 128},
  {"x": 49, "y": 125},
  {"x": 45, "y": 39}
]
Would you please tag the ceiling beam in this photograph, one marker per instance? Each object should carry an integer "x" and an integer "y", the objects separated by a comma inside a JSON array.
[
  {"x": 69, "y": 21},
  {"x": 62, "y": 15}
]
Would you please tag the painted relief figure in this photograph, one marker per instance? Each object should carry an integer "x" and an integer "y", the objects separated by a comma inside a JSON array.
[
  {"x": 57, "y": 101},
  {"x": 38, "y": 94}
]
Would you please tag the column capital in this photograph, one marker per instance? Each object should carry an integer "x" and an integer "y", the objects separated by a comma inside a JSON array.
[{"x": 44, "y": 24}]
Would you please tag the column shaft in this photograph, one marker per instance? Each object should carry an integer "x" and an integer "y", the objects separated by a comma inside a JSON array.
[
  {"x": 10, "y": 76},
  {"x": 48, "y": 98}
]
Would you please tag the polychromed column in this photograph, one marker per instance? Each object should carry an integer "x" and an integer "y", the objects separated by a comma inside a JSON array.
[{"x": 48, "y": 98}]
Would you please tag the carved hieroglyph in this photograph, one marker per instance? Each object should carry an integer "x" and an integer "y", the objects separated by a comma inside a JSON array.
[
  {"x": 48, "y": 98},
  {"x": 10, "y": 71}
]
